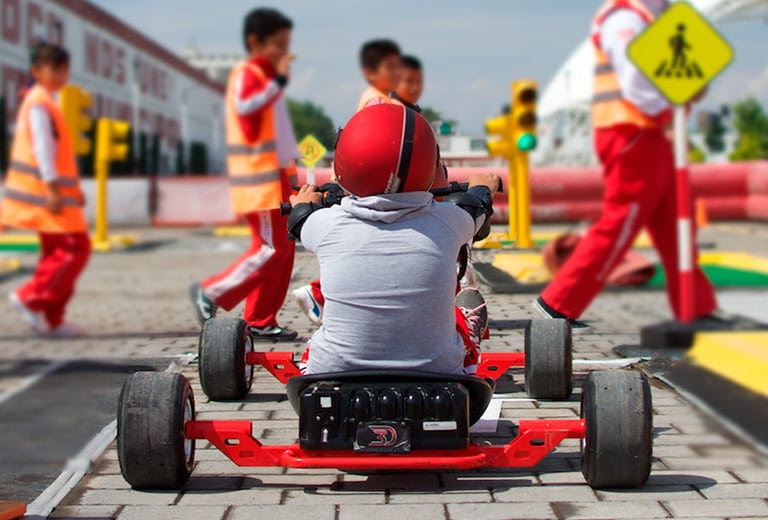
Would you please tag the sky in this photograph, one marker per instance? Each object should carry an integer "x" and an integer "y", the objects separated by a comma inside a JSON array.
[{"x": 471, "y": 51}]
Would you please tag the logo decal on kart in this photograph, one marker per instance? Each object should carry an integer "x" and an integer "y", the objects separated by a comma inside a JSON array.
[{"x": 385, "y": 436}]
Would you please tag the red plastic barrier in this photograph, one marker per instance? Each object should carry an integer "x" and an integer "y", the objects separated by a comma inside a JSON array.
[
  {"x": 757, "y": 206},
  {"x": 558, "y": 194}
]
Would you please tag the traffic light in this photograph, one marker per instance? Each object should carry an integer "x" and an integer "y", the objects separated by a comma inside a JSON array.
[
  {"x": 523, "y": 118},
  {"x": 75, "y": 102},
  {"x": 111, "y": 140},
  {"x": 499, "y": 126}
]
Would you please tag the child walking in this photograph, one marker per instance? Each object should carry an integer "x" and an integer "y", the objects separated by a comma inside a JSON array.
[{"x": 42, "y": 193}]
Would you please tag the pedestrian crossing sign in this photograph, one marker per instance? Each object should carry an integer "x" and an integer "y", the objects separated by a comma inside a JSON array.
[
  {"x": 311, "y": 150},
  {"x": 680, "y": 52}
]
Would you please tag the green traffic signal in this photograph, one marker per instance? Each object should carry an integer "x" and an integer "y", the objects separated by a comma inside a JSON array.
[{"x": 526, "y": 142}]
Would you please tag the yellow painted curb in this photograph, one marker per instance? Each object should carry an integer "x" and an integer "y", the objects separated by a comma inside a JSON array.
[
  {"x": 740, "y": 356},
  {"x": 113, "y": 242},
  {"x": 17, "y": 240},
  {"x": 524, "y": 267},
  {"x": 232, "y": 231},
  {"x": 9, "y": 264},
  {"x": 734, "y": 260}
]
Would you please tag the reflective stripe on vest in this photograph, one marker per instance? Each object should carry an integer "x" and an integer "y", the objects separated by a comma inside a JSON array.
[
  {"x": 253, "y": 166},
  {"x": 255, "y": 180},
  {"x": 38, "y": 200},
  {"x": 609, "y": 107},
  {"x": 35, "y": 172}
]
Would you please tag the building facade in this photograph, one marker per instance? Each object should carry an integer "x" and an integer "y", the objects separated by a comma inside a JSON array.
[{"x": 175, "y": 110}]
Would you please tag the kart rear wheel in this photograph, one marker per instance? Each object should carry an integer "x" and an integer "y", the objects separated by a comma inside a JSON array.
[
  {"x": 225, "y": 374},
  {"x": 617, "y": 448},
  {"x": 548, "y": 359},
  {"x": 152, "y": 448}
]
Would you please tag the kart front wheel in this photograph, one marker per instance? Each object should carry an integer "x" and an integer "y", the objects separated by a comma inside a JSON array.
[
  {"x": 152, "y": 414},
  {"x": 548, "y": 359},
  {"x": 617, "y": 448},
  {"x": 225, "y": 373}
]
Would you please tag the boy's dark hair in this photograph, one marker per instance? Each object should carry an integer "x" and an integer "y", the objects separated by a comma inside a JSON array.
[
  {"x": 411, "y": 62},
  {"x": 373, "y": 52},
  {"x": 264, "y": 22},
  {"x": 48, "y": 54}
]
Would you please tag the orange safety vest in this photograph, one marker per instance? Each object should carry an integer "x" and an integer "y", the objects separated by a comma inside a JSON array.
[
  {"x": 25, "y": 194},
  {"x": 253, "y": 165},
  {"x": 609, "y": 108}
]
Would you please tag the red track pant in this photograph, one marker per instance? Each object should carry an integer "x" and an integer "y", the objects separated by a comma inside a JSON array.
[
  {"x": 640, "y": 191},
  {"x": 261, "y": 275},
  {"x": 63, "y": 257}
]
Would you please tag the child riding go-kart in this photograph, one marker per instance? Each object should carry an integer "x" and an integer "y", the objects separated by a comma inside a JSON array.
[{"x": 393, "y": 380}]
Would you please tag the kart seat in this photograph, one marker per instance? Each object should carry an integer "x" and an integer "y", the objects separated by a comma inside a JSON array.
[{"x": 480, "y": 390}]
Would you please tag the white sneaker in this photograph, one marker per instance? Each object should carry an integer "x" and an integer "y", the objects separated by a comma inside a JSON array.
[
  {"x": 66, "y": 330},
  {"x": 308, "y": 304},
  {"x": 35, "y": 319}
]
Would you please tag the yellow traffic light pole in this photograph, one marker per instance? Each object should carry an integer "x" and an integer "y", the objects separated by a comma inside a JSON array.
[
  {"x": 517, "y": 131},
  {"x": 111, "y": 146}
]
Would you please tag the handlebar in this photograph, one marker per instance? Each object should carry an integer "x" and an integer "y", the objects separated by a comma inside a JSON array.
[{"x": 333, "y": 193}]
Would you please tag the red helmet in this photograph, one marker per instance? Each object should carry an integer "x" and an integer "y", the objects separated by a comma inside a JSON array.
[{"x": 385, "y": 148}]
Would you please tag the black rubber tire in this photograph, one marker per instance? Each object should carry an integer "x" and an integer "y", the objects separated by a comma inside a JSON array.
[
  {"x": 152, "y": 448},
  {"x": 224, "y": 373},
  {"x": 548, "y": 359},
  {"x": 618, "y": 445}
]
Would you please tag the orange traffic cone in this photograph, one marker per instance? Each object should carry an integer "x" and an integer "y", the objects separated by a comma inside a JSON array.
[{"x": 702, "y": 219}]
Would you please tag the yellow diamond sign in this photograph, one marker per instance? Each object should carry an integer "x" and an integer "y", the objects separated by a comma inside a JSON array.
[
  {"x": 680, "y": 52},
  {"x": 311, "y": 150}
]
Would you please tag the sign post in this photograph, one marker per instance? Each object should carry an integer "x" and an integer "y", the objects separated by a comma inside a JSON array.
[
  {"x": 311, "y": 151},
  {"x": 680, "y": 53}
]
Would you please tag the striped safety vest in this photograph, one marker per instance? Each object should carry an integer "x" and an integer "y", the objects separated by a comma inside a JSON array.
[
  {"x": 25, "y": 193},
  {"x": 253, "y": 166},
  {"x": 609, "y": 108}
]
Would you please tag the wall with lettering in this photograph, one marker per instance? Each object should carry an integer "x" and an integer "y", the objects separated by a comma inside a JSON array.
[{"x": 130, "y": 77}]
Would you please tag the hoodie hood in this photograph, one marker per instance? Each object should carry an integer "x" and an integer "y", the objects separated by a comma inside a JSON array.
[{"x": 386, "y": 208}]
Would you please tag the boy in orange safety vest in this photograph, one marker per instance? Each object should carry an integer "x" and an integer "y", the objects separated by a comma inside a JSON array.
[
  {"x": 261, "y": 154},
  {"x": 42, "y": 193},
  {"x": 382, "y": 67}
]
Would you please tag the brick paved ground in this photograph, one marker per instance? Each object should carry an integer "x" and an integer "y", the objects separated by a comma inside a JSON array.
[{"x": 135, "y": 306}]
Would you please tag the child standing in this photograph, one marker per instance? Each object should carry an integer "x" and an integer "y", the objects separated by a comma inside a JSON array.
[
  {"x": 411, "y": 85},
  {"x": 381, "y": 66},
  {"x": 261, "y": 154},
  {"x": 42, "y": 193}
]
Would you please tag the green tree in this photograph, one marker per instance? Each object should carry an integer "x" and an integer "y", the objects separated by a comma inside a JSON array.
[
  {"x": 308, "y": 118},
  {"x": 433, "y": 115},
  {"x": 751, "y": 122}
]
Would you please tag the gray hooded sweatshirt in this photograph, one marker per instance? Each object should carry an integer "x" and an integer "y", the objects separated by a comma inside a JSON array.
[{"x": 388, "y": 274}]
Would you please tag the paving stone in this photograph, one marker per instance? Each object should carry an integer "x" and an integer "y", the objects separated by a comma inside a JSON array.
[
  {"x": 602, "y": 510},
  {"x": 516, "y": 511},
  {"x": 80, "y": 511},
  {"x": 547, "y": 493},
  {"x": 138, "y": 512},
  {"x": 734, "y": 508},
  {"x": 356, "y": 512}
]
